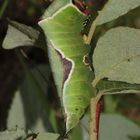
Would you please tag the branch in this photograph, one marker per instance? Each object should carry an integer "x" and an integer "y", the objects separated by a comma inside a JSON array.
[{"x": 94, "y": 113}]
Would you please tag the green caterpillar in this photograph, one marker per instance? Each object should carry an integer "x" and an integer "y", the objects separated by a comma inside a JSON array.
[{"x": 63, "y": 31}]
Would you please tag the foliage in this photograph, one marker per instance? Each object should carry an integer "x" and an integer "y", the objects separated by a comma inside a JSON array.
[{"x": 115, "y": 61}]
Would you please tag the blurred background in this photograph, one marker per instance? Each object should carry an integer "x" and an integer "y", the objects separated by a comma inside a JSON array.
[{"x": 11, "y": 72}]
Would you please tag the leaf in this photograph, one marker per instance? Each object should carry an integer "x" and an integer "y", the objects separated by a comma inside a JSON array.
[
  {"x": 56, "y": 5},
  {"x": 57, "y": 67},
  {"x": 117, "y": 56},
  {"x": 115, "y": 8},
  {"x": 27, "y": 104},
  {"x": 47, "y": 136},
  {"x": 19, "y": 35},
  {"x": 13, "y": 134},
  {"x": 16, "y": 110},
  {"x": 116, "y": 127},
  {"x": 111, "y": 87}
]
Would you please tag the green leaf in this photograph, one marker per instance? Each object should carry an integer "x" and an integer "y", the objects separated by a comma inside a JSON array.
[
  {"x": 117, "y": 56},
  {"x": 20, "y": 134},
  {"x": 105, "y": 85},
  {"x": 115, "y": 8},
  {"x": 113, "y": 87},
  {"x": 116, "y": 127},
  {"x": 19, "y": 35},
  {"x": 56, "y": 5}
]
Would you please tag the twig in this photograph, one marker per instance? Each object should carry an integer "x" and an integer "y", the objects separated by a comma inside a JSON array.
[
  {"x": 91, "y": 31},
  {"x": 93, "y": 122}
]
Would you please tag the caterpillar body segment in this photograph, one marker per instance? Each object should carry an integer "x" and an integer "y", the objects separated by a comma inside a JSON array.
[{"x": 63, "y": 31}]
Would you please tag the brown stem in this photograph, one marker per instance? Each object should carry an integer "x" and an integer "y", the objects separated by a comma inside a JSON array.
[{"x": 94, "y": 121}]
